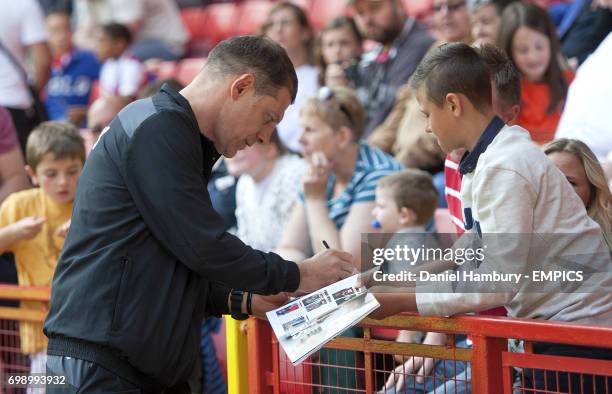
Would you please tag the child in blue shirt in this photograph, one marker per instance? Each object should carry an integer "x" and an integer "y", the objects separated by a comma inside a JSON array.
[{"x": 73, "y": 73}]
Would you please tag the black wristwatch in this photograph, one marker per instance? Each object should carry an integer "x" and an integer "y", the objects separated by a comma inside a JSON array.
[{"x": 236, "y": 297}]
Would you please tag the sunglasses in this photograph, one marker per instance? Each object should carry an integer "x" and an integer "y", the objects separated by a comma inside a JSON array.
[{"x": 327, "y": 94}]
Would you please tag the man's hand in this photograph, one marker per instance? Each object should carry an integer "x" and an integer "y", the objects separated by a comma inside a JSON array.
[
  {"x": 325, "y": 268},
  {"x": 28, "y": 228},
  {"x": 262, "y": 304}
]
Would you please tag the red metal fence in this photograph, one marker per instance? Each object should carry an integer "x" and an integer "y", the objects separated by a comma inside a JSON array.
[{"x": 493, "y": 368}]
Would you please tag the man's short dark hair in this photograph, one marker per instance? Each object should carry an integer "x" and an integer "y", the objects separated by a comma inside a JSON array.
[
  {"x": 505, "y": 75},
  {"x": 117, "y": 31},
  {"x": 454, "y": 68},
  {"x": 260, "y": 56}
]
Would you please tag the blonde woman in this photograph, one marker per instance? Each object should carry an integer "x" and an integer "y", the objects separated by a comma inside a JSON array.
[
  {"x": 581, "y": 168},
  {"x": 336, "y": 201}
]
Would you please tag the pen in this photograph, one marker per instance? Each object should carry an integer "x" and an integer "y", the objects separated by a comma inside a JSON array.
[{"x": 325, "y": 244}]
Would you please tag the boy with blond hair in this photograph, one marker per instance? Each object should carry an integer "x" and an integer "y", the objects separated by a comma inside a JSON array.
[{"x": 33, "y": 222}]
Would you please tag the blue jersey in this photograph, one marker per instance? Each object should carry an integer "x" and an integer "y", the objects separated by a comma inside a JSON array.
[{"x": 71, "y": 81}]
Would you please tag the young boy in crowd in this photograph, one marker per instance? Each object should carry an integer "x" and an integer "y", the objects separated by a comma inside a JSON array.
[
  {"x": 32, "y": 222},
  {"x": 517, "y": 206},
  {"x": 485, "y": 16},
  {"x": 405, "y": 203},
  {"x": 121, "y": 74},
  {"x": 506, "y": 101},
  {"x": 73, "y": 73}
]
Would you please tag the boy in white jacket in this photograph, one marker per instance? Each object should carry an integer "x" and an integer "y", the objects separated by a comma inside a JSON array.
[{"x": 518, "y": 208}]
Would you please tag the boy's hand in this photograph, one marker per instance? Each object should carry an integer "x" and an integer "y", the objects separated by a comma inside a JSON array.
[
  {"x": 62, "y": 231},
  {"x": 398, "y": 377},
  {"x": 28, "y": 228},
  {"x": 392, "y": 300}
]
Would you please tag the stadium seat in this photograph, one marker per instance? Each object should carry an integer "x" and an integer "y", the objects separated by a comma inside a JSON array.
[
  {"x": 188, "y": 69},
  {"x": 252, "y": 15},
  {"x": 220, "y": 21},
  {"x": 166, "y": 70},
  {"x": 323, "y": 11},
  {"x": 193, "y": 19}
]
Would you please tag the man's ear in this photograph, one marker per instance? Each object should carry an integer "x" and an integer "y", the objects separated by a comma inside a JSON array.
[
  {"x": 241, "y": 85},
  {"x": 30, "y": 171}
]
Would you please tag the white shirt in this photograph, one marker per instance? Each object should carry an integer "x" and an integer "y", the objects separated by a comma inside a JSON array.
[
  {"x": 263, "y": 208},
  {"x": 586, "y": 115},
  {"x": 121, "y": 77},
  {"x": 21, "y": 24},
  {"x": 159, "y": 20},
  {"x": 289, "y": 128},
  {"x": 529, "y": 216}
]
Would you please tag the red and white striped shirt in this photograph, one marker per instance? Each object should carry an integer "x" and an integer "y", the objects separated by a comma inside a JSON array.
[{"x": 452, "y": 192}]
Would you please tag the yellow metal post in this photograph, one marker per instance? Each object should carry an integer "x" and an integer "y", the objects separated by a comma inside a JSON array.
[{"x": 237, "y": 359}]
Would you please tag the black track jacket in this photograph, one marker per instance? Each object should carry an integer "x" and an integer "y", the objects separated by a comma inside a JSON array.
[{"x": 146, "y": 258}]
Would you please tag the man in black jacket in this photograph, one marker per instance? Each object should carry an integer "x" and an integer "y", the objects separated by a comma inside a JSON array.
[{"x": 146, "y": 257}]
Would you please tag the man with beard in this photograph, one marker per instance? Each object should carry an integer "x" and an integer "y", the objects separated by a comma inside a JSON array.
[{"x": 402, "y": 44}]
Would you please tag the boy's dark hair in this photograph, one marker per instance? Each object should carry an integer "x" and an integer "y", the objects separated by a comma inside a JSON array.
[
  {"x": 117, "y": 31},
  {"x": 454, "y": 68},
  {"x": 262, "y": 57},
  {"x": 505, "y": 75},
  {"x": 413, "y": 189},
  {"x": 61, "y": 139},
  {"x": 519, "y": 14}
]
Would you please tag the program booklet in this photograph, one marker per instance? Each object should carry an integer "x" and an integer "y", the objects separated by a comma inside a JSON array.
[{"x": 306, "y": 324}]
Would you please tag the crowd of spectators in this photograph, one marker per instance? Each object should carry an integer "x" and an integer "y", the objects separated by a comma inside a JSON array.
[{"x": 356, "y": 118}]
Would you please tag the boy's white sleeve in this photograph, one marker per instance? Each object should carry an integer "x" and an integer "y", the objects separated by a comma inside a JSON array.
[
  {"x": 132, "y": 75},
  {"x": 503, "y": 204}
]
